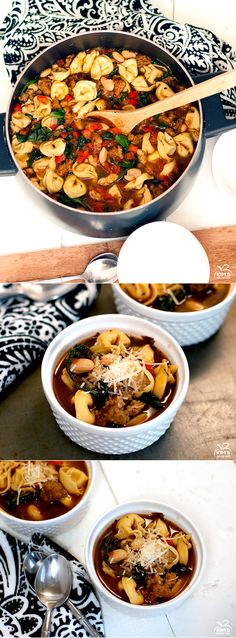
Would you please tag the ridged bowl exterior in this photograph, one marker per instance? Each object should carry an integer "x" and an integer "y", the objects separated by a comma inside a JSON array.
[{"x": 187, "y": 328}]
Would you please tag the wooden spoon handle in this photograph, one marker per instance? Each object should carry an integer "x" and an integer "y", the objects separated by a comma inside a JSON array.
[{"x": 197, "y": 92}]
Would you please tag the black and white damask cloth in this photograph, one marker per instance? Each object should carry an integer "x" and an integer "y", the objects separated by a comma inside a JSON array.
[
  {"x": 21, "y": 613},
  {"x": 27, "y": 327},
  {"x": 33, "y": 25}
]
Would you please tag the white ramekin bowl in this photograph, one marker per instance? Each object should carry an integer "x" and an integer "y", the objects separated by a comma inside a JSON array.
[
  {"x": 141, "y": 507},
  {"x": 187, "y": 327},
  {"x": 52, "y": 526},
  {"x": 109, "y": 440}
]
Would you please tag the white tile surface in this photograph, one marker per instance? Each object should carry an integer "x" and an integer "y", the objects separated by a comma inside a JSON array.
[
  {"x": 25, "y": 227},
  {"x": 204, "y": 491}
]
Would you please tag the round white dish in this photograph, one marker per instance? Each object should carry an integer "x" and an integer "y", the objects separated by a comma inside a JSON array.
[
  {"x": 142, "y": 507},
  {"x": 53, "y": 526},
  {"x": 103, "y": 439},
  {"x": 187, "y": 328}
]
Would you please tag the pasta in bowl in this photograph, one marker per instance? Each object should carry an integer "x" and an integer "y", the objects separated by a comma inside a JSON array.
[
  {"x": 114, "y": 384},
  {"x": 190, "y": 312},
  {"x": 145, "y": 556},
  {"x": 44, "y": 495}
]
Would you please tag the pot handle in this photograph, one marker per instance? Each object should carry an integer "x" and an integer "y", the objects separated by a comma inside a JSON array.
[
  {"x": 7, "y": 166},
  {"x": 215, "y": 121}
]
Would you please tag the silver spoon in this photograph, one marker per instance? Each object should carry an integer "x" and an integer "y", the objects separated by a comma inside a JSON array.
[
  {"x": 53, "y": 583},
  {"x": 100, "y": 269},
  {"x": 31, "y": 564}
]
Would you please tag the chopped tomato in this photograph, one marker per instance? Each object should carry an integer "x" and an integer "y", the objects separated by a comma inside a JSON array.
[
  {"x": 98, "y": 207},
  {"x": 82, "y": 155},
  {"x": 61, "y": 62},
  {"x": 64, "y": 134},
  {"x": 87, "y": 133},
  {"x": 42, "y": 98},
  {"x": 75, "y": 134},
  {"x": 68, "y": 97},
  {"x": 17, "y": 107},
  {"x": 53, "y": 127},
  {"x": 116, "y": 131},
  {"x": 55, "y": 462},
  {"x": 169, "y": 541},
  {"x": 149, "y": 367},
  {"x": 102, "y": 190},
  {"x": 60, "y": 158},
  {"x": 147, "y": 128},
  {"x": 129, "y": 156},
  {"x": 133, "y": 148},
  {"x": 93, "y": 126},
  {"x": 133, "y": 98},
  {"x": 115, "y": 168}
]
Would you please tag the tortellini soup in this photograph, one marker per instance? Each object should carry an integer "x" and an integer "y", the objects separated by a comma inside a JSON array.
[
  {"x": 145, "y": 559},
  {"x": 177, "y": 297},
  {"x": 115, "y": 380},
  {"x": 89, "y": 164},
  {"x": 41, "y": 490}
]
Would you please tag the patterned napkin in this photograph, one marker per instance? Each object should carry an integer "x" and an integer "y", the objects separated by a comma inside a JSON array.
[
  {"x": 33, "y": 25},
  {"x": 27, "y": 327},
  {"x": 21, "y": 614}
]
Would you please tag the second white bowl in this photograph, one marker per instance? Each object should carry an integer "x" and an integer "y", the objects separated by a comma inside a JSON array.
[
  {"x": 186, "y": 327},
  {"x": 103, "y": 439}
]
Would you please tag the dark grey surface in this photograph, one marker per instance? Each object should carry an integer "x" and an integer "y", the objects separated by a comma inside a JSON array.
[{"x": 206, "y": 420}]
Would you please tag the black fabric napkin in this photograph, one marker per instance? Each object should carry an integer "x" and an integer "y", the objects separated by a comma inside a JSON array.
[
  {"x": 33, "y": 25},
  {"x": 21, "y": 614},
  {"x": 27, "y": 327}
]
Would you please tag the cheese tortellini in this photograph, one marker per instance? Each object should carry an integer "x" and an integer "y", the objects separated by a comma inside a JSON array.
[
  {"x": 163, "y": 90},
  {"x": 166, "y": 145},
  {"x": 21, "y": 148},
  {"x": 41, "y": 109},
  {"x": 140, "y": 84},
  {"x": 184, "y": 143},
  {"x": 83, "y": 401},
  {"x": 73, "y": 479},
  {"x": 128, "y": 69},
  {"x": 59, "y": 90},
  {"x": 53, "y": 148},
  {"x": 85, "y": 171},
  {"x": 52, "y": 182},
  {"x": 74, "y": 187},
  {"x": 76, "y": 65},
  {"x": 111, "y": 341},
  {"x": 101, "y": 66},
  {"x": 85, "y": 91},
  {"x": 19, "y": 121}
]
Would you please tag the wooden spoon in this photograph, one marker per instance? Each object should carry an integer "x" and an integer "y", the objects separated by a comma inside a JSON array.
[{"x": 127, "y": 120}]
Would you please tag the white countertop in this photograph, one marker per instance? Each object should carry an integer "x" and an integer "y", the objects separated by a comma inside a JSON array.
[
  {"x": 24, "y": 225},
  {"x": 205, "y": 492}
]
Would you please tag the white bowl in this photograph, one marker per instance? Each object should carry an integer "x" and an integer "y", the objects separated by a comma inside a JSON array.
[
  {"x": 102, "y": 439},
  {"x": 186, "y": 327},
  {"x": 141, "y": 507},
  {"x": 52, "y": 526}
]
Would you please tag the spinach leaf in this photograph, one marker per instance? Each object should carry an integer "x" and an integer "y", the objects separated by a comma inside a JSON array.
[
  {"x": 60, "y": 115},
  {"x": 152, "y": 400},
  {"x": 123, "y": 95},
  {"x": 21, "y": 138},
  {"x": 180, "y": 568},
  {"x": 68, "y": 152},
  {"x": 68, "y": 201},
  {"x": 26, "y": 86},
  {"x": 107, "y": 135},
  {"x": 166, "y": 74},
  {"x": 82, "y": 141},
  {"x": 33, "y": 156},
  {"x": 43, "y": 134},
  {"x": 123, "y": 141},
  {"x": 143, "y": 99},
  {"x": 166, "y": 303},
  {"x": 128, "y": 163},
  {"x": 114, "y": 72},
  {"x": 79, "y": 351}
]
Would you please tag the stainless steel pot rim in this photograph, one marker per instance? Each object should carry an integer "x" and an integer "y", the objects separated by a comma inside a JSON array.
[{"x": 121, "y": 213}]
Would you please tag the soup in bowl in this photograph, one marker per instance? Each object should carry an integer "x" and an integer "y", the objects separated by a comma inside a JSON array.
[
  {"x": 43, "y": 495},
  {"x": 114, "y": 384},
  {"x": 145, "y": 556},
  {"x": 190, "y": 312}
]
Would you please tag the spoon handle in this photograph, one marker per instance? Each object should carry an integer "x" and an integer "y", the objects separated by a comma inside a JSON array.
[
  {"x": 45, "y": 633},
  {"x": 83, "y": 621}
]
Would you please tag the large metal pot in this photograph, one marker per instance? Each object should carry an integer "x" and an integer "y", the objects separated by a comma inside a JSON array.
[{"x": 120, "y": 223}]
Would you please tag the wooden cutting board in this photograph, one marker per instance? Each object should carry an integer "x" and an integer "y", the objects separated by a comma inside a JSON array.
[{"x": 219, "y": 244}]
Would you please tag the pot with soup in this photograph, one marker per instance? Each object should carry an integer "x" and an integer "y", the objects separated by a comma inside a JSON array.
[
  {"x": 96, "y": 179},
  {"x": 190, "y": 312},
  {"x": 43, "y": 495}
]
